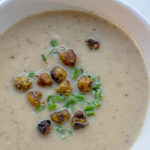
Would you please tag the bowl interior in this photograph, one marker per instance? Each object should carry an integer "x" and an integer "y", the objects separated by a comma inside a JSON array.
[{"x": 128, "y": 20}]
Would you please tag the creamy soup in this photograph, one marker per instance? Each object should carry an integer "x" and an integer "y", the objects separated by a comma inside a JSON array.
[{"x": 119, "y": 63}]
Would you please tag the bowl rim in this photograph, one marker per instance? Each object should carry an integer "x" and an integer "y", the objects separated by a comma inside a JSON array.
[{"x": 134, "y": 15}]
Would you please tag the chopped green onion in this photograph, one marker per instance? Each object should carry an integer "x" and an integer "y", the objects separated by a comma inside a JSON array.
[
  {"x": 96, "y": 89},
  {"x": 73, "y": 108},
  {"x": 88, "y": 107},
  {"x": 91, "y": 77},
  {"x": 81, "y": 102},
  {"x": 60, "y": 130},
  {"x": 54, "y": 43},
  {"x": 97, "y": 94},
  {"x": 31, "y": 74},
  {"x": 97, "y": 86},
  {"x": 53, "y": 50},
  {"x": 49, "y": 97},
  {"x": 89, "y": 112},
  {"x": 67, "y": 105},
  {"x": 96, "y": 82},
  {"x": 80, "y": 99},
  {"x": 63, "y": 131},
  {"x": 57, "y": 98},
  {"x": 52, "y": 106},
  {"x": 96, "y": 103},
  {"x": 69, "y": 131},
  {"x": 74, "y": 73},
  {"x": 80, "y": 96},
  {"x": 43, "y": 57},
  {"x": 39, "y": 108},
  {"x": 75, "y": 98},
  {"x": 77, "y": 72},
  {"x": 72, "y": 100}
]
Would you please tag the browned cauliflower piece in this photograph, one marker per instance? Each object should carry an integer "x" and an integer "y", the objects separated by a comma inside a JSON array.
[
  {"x": 93, "y": 44},
  {"x": 34, "y": 97},
  {"x": 44, "y": 80},
  {"x": 85, "y": 84},
  {"x": 79, "y": 120},
  {"x": 68, "y": 58},
  {"x": 64, "y": 88},
  {"x": 44, "y": 127},
  {"x": 22, "y": 83},
  {"x": 60, "y": 116},
  {"x": 58, "y": 74}
]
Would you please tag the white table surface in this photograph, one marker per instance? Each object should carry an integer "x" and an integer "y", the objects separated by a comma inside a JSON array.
[{"x": 143, "y": 6}]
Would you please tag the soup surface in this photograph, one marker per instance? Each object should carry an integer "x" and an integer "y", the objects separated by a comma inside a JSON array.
[{"x": 118, "y": 62}]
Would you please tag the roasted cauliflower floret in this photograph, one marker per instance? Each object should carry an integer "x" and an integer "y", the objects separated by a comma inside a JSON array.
[
  {"x": 44, "y": 80},
  {"x": 34, "y": 97},
  {"x": 22, "y": 83},
  {"x": 64, "y": 88},
  {"x": 79, "y": 120},
  {"x": 85, "y": 84},
  {"x": 44, "y": 127},
  {"x": 93, "y": 44},
  {"x": 60, "y": 116},
  {"x": 68, "y": 58},
  {"x": 58, "y": 74}
]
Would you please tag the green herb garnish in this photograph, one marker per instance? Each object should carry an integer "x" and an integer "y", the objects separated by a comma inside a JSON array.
[
  {"x": 81, "y": 102},
  {"x": 69, "y": 131},
  {"x": 73, "y": 108},
  {"x": 31, "y": 74},
  {"x": 57, "y": 98},
  {"x": 71, "y": 100},
  {"x": 52, "y": 101},
  {"x": 52, "y": 50},
  {"x": 75, "y": 98},
  {"x": 43, "y": 57},
  {"x": 80, "y": 96},
  {"x": 63, "y": 131},
  {"x": 39, "y": 108},
  {"x": 89, "y": 112},
  {"x": 91, "y": 77},
  {"x": 49, "y": 97},
  {"x": 54, "y": 43},
  {"x": 96, "y": 103},
  {"x": 97, "y": 94},
  {"x": 51, "y": 106},
  {"x": 89, "y": 109},
  {"x": 89, "y": 106},
  {"x": 60, "y": 130},
  {"x": 76, "y": 73},
  {"x": 96, "y": 89}
]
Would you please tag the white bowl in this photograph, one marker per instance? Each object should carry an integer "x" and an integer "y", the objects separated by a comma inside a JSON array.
[{"x": 115, "y": 11}]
